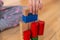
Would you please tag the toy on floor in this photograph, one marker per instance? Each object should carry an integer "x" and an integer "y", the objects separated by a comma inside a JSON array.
[
  {"x": 9, "y": 16},
  {"x": 30, "y": 26}
]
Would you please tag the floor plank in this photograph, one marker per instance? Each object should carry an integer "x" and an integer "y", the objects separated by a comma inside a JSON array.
[{"x": 50, "y": 14}]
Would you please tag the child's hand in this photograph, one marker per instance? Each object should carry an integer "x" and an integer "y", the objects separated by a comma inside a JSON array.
[
  {"x": 34, "y": 5},
  {"x": 1, "y": 3}
]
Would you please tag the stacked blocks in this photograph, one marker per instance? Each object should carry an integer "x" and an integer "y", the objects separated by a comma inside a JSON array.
[
  {"x": 29, "y": 18},
  {"x": 37, "y": 28},
  {"x": 34, "y": 31}
]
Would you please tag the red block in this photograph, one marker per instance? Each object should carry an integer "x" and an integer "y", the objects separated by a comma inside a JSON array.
[
  {"x": 26, "y": 35},
  {"x": 41, "y": 27},
  {"x": 34, "y": 29}
]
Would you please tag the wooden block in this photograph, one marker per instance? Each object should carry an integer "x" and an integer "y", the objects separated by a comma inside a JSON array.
[
  {"x": 26, "y": 35},
  {"x": 23, "y": 27},
  {"x": 41, "y": 37},
  {"x": 35, "y": 38},
  {"x": 25, "y": 11},
  {"x": 41, "y": 27},
  {"x": 34, "y": 29}
]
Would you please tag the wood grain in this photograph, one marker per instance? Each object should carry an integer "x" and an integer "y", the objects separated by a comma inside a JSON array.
[{"x": 50, "y": 13}]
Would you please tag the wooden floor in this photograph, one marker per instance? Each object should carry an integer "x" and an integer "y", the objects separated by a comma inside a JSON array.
[{"x": 50, "y": 14}]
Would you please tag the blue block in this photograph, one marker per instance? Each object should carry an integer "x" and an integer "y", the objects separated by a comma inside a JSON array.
[{"x": 29, "y": 18}]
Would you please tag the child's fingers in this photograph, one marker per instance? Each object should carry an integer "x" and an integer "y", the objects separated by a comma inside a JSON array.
[
  {"x": 31, "y": 9},
  {"x": 25, "y": 11},
  {"x": 30, "y": 6},
  {"x": 37, "y": 4},
  {"x": 34, "y": 6},
  {"x": 40, "y": 4},
  {"x": 1, "y": 3}
]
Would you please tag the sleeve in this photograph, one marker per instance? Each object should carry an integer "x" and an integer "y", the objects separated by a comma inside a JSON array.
[{"x": 12, "y": 19}]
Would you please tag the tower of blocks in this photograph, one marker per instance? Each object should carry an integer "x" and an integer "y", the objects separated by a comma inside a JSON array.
[{"x": 30, "y": 26}]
